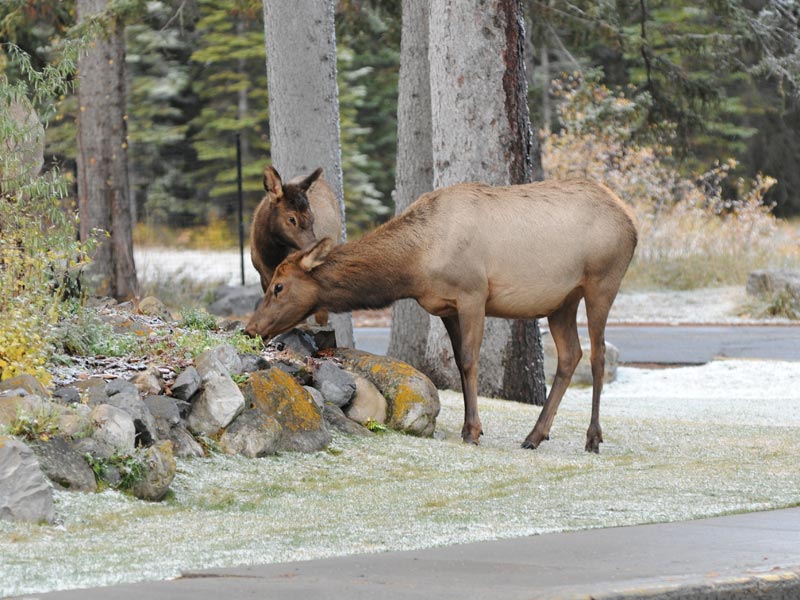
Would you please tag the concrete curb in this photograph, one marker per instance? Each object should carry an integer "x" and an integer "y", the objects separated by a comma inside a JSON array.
[{"x": 783, "y": 584}]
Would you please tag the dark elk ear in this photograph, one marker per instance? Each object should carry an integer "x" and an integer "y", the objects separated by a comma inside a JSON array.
[
  {"x": 272, "y": 182},
  {"x": 316, "y": 255},
  {"x": 308, "y": 181}
]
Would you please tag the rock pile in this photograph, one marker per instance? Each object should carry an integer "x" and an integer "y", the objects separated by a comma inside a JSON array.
[{"x": 127, "y": 431}]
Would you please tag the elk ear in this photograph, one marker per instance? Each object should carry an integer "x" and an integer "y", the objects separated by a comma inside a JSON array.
[
  {"x": 308, "y": 181},
  {"x": 272, "y": 182},
  {"x": 316, "y": 255}
]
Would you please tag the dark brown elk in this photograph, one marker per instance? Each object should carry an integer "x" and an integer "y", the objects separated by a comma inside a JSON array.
[
  {"x": 470, "y": 251},
  {"x": 290, "y": 217}
]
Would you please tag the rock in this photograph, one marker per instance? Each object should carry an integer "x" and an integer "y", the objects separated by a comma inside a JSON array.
[
  {"x": 296, "y": 368},
  {"x": 219, "y": 403},
  {"x": 253, "y": 434},
  {"x": 227, "y": 355},
  {"x": 64, "y": 466},
  {"x": 92, "y": 447},
  {"x": 278, "y": 395},
  {"x": 93, "y": 391},
  {"x": 76, "y": 422},
  {"x": 159, "y": 471},
  {"x": 23, "y": 383},
  {"x": 324, "y": 337},
  {"x": 297, "y": 341},
  {"x": 208, "y": 364},
  {"x": 412, "y": 398},
  {"x": 335, "y": 418},
  {"x": 768, "y": 283},
  {"x": 368, "y": 403},
  {"x": 583, "y": 372},
  {"x": 316, "y": 395},
  {"x": 114, "y": 429},
  {"x": 67, "y": 394},
  {"x": 153, "y": 307},
  {"x": 184, "y": 445},
  {"x": 166, "y": 414},
  {"x": 32, "y": 408},
  {"x": 236, "y": 300},
  {"x": 149, "y": 382},
  {"x": 186, "y": 384},
  {"x": 253, "y": 362},
  {"x": 25, "y": 494},
  {"x": 337, "y": 385},
  {"x": 124, "y": 395}
]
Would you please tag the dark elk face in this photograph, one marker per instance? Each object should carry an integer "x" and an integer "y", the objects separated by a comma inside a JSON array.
[
  {"x": 291, "y": 219},
  {"x": 293, "y": 294}
]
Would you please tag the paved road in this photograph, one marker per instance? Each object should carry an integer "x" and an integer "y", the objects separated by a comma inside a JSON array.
[
  {"x": 665, "y": 344},
  {"x": 754, "y": 555}
]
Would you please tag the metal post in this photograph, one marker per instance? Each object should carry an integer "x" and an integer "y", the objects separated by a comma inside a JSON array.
[{"x": 241, "y": 201}]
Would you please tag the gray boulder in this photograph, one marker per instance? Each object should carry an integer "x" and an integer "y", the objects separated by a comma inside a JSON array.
[
  {"x": 187, "y": 384},
  {"x": 227, "y": 355},
  {"x": 158, "y": 472},
  {"x": 767, "y": 284},
  {"x": 253, "y": 362},
  {"x": 125, "y": 396},
  {"x": 583, "y": 372},
  {"x": 337, "y": 385},
  {"x": 220, "y": 402},
  {"x": 316, "y": 395},
  {"x": 184, "y": 444},
  {"x": 236, "y": 300},
  {"x": 25, "y": 494},
  {"x": 23, "y": 385},
  {"x": 64, "y": 466},
  {"x": 253, "y": 434},
  {"x": 166, "y": 414},
  {"x": 297, "y": 341},
  {"x": 114, "y": 429}
]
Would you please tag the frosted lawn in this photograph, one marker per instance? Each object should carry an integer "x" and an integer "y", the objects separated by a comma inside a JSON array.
[{"x": 680, "y": 444}]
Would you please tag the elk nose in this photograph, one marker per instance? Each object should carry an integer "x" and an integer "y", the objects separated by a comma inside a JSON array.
[{"x": 250, "y": 332}]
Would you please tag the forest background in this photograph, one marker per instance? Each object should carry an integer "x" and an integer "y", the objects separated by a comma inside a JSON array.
[{"x": 694, "y": 86}]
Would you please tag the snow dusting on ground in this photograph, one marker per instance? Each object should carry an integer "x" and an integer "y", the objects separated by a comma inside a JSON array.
[{"x": 679, "y": 444}]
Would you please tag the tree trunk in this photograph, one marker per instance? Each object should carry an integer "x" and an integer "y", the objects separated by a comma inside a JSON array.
[
  {"x": 481, "y": 131},
  {"x": 304, "y": 100},
  {"x": 414, "y": 164},
  {"x": 102, "y": 159}
]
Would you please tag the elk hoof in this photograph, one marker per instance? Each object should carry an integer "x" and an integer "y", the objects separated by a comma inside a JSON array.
[
  {"x": 593, "y": 440},
  {"x": 471, "y": 435},
  {"x": 528, "y": 445}
]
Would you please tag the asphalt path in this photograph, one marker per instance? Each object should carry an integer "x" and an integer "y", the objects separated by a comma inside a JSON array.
[{"x": 668, "y": 344}]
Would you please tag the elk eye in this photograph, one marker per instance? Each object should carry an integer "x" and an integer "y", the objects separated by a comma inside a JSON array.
[
  {"x": 278, "y": 289},
  {"x": 292, "y": 220}
]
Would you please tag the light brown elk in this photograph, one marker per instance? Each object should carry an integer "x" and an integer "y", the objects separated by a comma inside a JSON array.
[
  {"x": 290, "y": 217},
  {"x": 470, "y": 251}
]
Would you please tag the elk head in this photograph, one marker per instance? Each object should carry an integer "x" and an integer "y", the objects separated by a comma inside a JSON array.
[
  {"x": 290, "y": 216},
  {"x": 293, "y": 294}
]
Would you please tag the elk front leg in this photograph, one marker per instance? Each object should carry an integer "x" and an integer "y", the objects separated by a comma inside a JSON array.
[
  {"x": 466, "y": 334},
  {"x": 564, "y": 329}
]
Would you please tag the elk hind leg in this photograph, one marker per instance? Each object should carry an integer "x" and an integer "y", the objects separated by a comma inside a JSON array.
[
  {"x": 564, "y": 329},
  {"x": 598, "y": 305}
]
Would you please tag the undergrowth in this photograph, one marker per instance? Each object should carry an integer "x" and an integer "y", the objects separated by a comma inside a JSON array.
[{"x": 692, "y": 234}]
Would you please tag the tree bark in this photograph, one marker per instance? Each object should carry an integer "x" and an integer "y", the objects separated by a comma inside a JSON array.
[
  {"x": 103, "y": 159},
  {"x": 414, "y": 172},
  {"x": 481, "y": 131},
  {"x": 304, "y": 100}
]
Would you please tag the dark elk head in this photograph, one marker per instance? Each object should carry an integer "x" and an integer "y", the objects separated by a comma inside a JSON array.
[
  {"x": 293, "y": 294},
  {"x": 290, "y": 217}
]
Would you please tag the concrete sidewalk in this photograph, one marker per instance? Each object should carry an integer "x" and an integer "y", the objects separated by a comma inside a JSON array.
[{"x": 755, "y": 555}]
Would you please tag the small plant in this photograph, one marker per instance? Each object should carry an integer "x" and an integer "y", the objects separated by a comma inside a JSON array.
[
  {"x": 782, "y": 304},
  {"x": 240, "y": 378},
  {"x": 40, "y": 426},
  {"x": 195, "y": 318},
  {"x": 130, "y": 468},
  {"x": 375, "y": 426}
]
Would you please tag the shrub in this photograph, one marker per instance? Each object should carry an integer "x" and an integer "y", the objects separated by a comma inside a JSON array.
[{"x": 690, "y": 233}]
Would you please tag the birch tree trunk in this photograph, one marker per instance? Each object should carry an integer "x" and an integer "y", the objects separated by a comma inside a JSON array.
[
  {"x": 103, "y": 191},
  {"x": 414, "y": 172},
  {"x": 481, "y": 131},
  {"x": 304, "y": 100}
]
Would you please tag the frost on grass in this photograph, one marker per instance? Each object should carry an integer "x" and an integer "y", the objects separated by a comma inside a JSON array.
[{"x": 680, "y": 444}]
